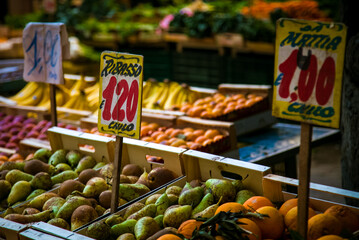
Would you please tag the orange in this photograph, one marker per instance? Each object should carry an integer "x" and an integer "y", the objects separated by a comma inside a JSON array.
[
  {"x": 290, "y": 219},
  {"x": 169, "y": 236},
  {"x": 187, "y": 227},
  {"x": 145, "y": 130},
  {"x": 346, "y": 216},
  {"x": 219, "y": 238},
  {"x": 252, "y": 227},
  {"x": 238, "y": 96},
  {"x": 15, "y": 156},
  {"x": 273, "y": 226},
  {"x": 169, "y": 131},
  {"x": 153, "y": 126},
  {"x": 323, "y": 224},
  {"x": 161, "y": 137},
  {"x": 251, "y": 96},
  {"x": 200, "y": 139},
  {"x": 249, "y": 102},
  {"x": 217, "y": 138},
  {"x": 195, "y": 146},
  {"x": 211, "y": 133},
  {"x": 220, "y": 105},
  {"x": 207, "y": 142},
  {"x": 178, "y": 143},
  {"x": 147, "y": 139},
  {"x": 188, "y": 129},
  {"x": 198, "y": 133},
  {"x": 256, "y": 202},
  {"x": 189, "y": 136},
  {"x": 232, "y": 207},
  {"x": 206, "y": 114},
  {"x": 196, "y": 111},
  {"x": 288, "y": 205},
  {"x": 155, "y": 134},
  {"x": 217, "y": 112},
  {"x": 331, "y": 237},
  {"x": 3, "y": 158},
  {"x": 176, "y": 132},
  {"x": 228, "y": 110}
]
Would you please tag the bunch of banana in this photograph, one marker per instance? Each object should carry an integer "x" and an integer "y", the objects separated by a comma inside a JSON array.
[
  {"x": 92, "y": 95},
  {"x": 31, "y": 94},
  {"x": 157, "y": 95}
]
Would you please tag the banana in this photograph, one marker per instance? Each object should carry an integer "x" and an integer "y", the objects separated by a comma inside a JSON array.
[
  {"x": 172, "y": 98},
  {"x": 26, "y": 92},
  {"x": 157, "y": 90},
  {"x": 34, "y": 99}
]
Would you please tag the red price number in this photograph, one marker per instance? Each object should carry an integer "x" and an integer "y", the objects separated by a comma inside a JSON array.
[
  {"x": 126, "y": 93},
  {"x": 309, "y": 78}
]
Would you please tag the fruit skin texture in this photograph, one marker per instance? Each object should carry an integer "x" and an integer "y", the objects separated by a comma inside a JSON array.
[
  {"x": 169, "y": 237},
  {"x": 323, "y": 224},
  {"x": 346, "y": 216},
  {"x": 331, "y": 237},
  {"x": 252, "y": 227},
  {"x": 187, "y": 227},
  {"x": 257, "y": 202},
  {"x": 232, "y": 207},
  {"x": 290, "y": 219},
  {"x": 271, "y": 227},
  {"x": 288, "y": 205}
]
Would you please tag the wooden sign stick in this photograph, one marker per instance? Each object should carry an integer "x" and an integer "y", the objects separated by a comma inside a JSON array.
[
  {"x": 53, "y": 104},
  {"x": 304, "y": 178},
  {"x": 116, "y": 174}
]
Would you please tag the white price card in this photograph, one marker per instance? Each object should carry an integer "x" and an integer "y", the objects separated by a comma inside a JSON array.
[
  {"x": 120, "y": 94},
  {"x": 45, "y": 46}
]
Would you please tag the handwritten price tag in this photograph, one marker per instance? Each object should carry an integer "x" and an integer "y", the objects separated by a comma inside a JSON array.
[
  {"x": 308, "y": 71},
  {"x": 45, "y": 45},
  {"x": 120, "y": 94}
]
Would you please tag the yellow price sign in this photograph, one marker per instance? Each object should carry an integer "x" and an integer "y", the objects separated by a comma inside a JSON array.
[
  {"x": 120, "y": 94},
  {"x": 308, "y": 71}
]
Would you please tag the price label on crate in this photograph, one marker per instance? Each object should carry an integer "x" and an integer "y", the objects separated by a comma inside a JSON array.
[
  {"x": 308, "y": 71},
  {"x": 120, "y": 94},
  {"x": 45, "y": 46}
]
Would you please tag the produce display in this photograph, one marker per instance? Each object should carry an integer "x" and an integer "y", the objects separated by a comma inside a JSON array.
[
  {"x": 222, "y": 107},
  {"x": 218, "y": 209},
  {"x": 167, "y": 94},
  {"x": 83, "y": 190},
  {"x": 39, "y": 172}
]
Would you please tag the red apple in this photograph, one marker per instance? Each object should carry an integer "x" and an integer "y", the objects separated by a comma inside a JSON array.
[
  {"x": 15, "y": 139},
  {"x": 14, "y": 130},
  {"x": 44, "y": 130},
  {"x": 5, "y": 137},
  {"x": 22, "y": 134},
  {"x": 48, "y": 124},
  {"x": 42, "y": 123},
  {"x": 32, "y": 134},
  {"x": 28, "y": 127},
  {"x": 9, "y": 118},
  {"x": 42, "y": 136},
  {"x": 29, "y": 120},
  {"x": 2, "y": 143},
  {"x": 37, "y": 128},
  {"x": 11, "y": 145}
]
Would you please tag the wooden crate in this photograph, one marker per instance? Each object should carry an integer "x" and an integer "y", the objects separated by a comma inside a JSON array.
[
  {"x": 30, "y": 145},
  {"x": 10, "y": 229},
  {"x": 31, "y": 234},
  {"x": 199, "y": 165},
  {"x": 273, "y": 189},
  {"x": 39, "y": 113}
]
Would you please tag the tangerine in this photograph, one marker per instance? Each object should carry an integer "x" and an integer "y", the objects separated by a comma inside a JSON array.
[
  {"x": 232, "y": 207},
  {"x": 211, "y": 133},
  {"x": 256, "y": 202},
  {"x": 200, "y": 139},
  {"x": 331, "y": 237},
  {"x": 290, "y": 219},
  {"x": 169, "y": 236},
  {"x": 252, "y": 227},
  {"x": 323, "y": 224},
  {"x": 272, "y": 226},
  {"x": 345, "y": 215}
]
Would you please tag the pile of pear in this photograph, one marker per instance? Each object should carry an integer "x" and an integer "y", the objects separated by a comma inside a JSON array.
[
  {"x": 163, "y": 213},
  {"x": 79, "y": 201},
  {"x": 22, "y": 181}
]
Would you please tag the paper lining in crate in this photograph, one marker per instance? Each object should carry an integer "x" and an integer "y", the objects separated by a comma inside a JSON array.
[{"x": 211, "y": 166}]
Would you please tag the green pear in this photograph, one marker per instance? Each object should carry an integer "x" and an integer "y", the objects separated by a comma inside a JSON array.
[
  {"x": 173, "y": 199},
  {"x": 94, "y": 187},
  {"x": 191, "y": 197},
  {"x": 19, "y": 191},
  {"x": 35, "y": 193},
  {"x": 70, "y": 205},
  {"x": 5, "y": 187},
  {"x": 126, "y": 226},
  {"x": 43, "y": 155},
  {"x": 176, "y": 190},
  {"x": 85, "y": 163},
  {"x": 63, "y": 176},
  {"x": 40, "y": 200},
  {"x": 73, "y": 157},
  {"x": 209, "y": 211},
  {"x": 98, "y": 230},
  {"x": 145, "y": 227},
  {"x": 59, "y": 222},
  {"x": 126, "y": 236},
  {"x": 99, "y": 165},
  {"x": 206, "y": 201},
  {"x": 174, "y": 216},
  {"x": 106, "y": 171},
  {"x": 159, "y": 220},
  {"x": 82, "y": 215},
  {"x": 162, "y": 203},
  {"x": 25, "y": 219},
  {"x": 16, "y": 175},
  {"x": 100, "y": 210},
  {"x": 57, "y": 157},
  {"x": 130, "y": 191},
  {"x": 54, "y": 204},
  {"x": 244, "y": 195},
  {"x": 148, "y": 210},
  {"x": 132, "y": 209},
  {"x": 12, "y": 165},
  {"x": 153, "y": 198},
  {"x": 41, "y": 180},
  {"x": 34, "y": 166},
  {"x": 221, "y": 188},
  {"x": 143, "y": 178},
  {"x": 114, "y": 219},
  {"x": 238, "y": 184},
  {"x": 186, "y": 187},
  {"x": 62, "y": 167}
]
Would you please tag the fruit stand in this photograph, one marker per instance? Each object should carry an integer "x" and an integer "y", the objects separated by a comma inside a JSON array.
[{"x": 173, "y": 136}]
